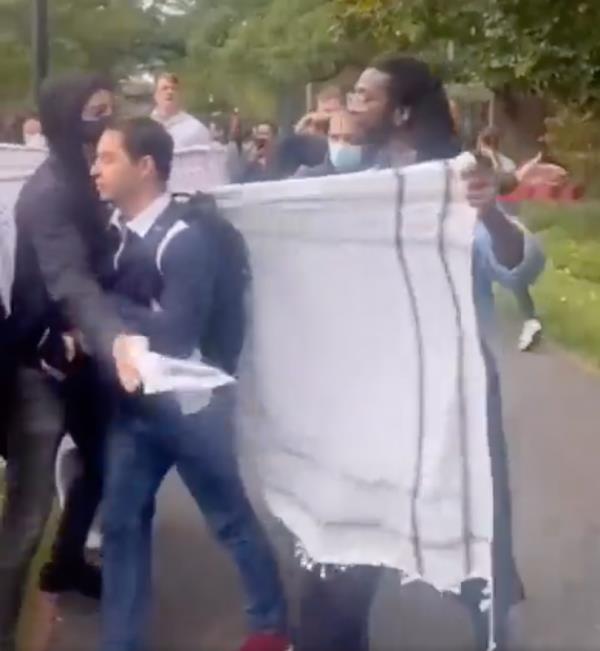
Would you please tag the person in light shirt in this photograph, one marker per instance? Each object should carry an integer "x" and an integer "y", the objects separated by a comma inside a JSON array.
[{"x": 184, "y": 128}]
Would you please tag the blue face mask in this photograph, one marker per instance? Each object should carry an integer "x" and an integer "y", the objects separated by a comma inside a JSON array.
[{"x": 345, "y": 157}]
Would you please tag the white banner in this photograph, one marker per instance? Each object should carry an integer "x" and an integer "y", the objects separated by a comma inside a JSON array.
[
  {"x": 363, "y": 386},
  {"x": 362, "y": 382},
  {"x": 10, "y": 186},
  {"x": 200, "y": 168},
  {"x": 19, "y": 160}
]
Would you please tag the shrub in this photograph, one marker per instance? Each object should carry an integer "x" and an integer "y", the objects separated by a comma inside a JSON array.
[{"x": 580, "y": 221}]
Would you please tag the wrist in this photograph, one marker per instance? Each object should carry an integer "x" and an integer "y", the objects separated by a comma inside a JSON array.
[{"x": 493, "y": 216}]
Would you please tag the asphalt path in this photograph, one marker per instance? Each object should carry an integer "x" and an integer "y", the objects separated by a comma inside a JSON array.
[{"x": 552, "y": 404}]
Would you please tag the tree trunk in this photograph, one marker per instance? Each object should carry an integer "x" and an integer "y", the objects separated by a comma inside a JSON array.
[{"x": 521, "y": 118}]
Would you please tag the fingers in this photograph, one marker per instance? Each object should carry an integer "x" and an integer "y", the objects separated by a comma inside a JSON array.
[
  {"x": 70, "y": 347},
  {"x": 126, "y": 351},
  {"x": 129, "y": 376}
]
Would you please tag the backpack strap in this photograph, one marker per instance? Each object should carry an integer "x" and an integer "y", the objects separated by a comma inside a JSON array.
[{"x": 164, "y": 229}]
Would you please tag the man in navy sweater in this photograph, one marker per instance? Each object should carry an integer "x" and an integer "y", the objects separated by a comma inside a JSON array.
[{"x": 178, "y": 281}]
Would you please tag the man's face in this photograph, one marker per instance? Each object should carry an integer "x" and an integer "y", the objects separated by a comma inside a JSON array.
[
  {"x": 117, "y": 177},
  {"x": 264, "y": 136},
  {"x": 329, "y": 106},
  {"x": 344, "y": 129},
  {"x": 370, "y": 103},
  {"x": 167, "y": 96}
]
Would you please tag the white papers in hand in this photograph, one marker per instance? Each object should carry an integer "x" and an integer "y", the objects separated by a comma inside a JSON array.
[{"x": 161, "y": 374}]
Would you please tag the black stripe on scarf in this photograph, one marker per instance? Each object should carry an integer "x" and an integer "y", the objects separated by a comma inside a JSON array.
[
  {"x": 419, "y": 344},
  {"x": 467, "y": 533}
]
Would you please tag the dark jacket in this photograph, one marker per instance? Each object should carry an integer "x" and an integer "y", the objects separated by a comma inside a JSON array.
[{"x": 62, "y": 242}]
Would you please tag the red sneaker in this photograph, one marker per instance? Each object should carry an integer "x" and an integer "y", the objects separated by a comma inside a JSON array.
[{"x": 266, "y": 642}]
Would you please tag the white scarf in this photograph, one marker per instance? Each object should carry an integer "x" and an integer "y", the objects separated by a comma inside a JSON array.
[{"x": 363, "y": 386}]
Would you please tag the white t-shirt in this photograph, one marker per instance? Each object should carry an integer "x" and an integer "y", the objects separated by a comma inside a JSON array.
[{"x": 185, "y": 130}]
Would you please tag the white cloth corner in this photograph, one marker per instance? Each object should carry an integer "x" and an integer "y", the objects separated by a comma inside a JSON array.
[{"x": 10, "y": 187}]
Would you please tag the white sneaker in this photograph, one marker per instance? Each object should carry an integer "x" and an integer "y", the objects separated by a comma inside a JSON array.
[
  {"x": 67, "y": 467},
  {"x": 530, "y": 335}
]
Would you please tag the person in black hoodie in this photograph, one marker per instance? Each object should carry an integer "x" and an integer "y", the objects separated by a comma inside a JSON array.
[{"x": 63, "y": 249}]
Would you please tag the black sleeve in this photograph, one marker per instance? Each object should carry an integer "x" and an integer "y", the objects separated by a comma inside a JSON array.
[{"x": 66, "y": 270}]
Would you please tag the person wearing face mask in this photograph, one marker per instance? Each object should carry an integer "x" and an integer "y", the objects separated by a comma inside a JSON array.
[
  {"x": 344, "y": 150},
  {"x": 63, "y": 249}
]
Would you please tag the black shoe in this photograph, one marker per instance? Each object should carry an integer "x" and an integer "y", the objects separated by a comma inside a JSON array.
[{"x": 82, "y": 577}]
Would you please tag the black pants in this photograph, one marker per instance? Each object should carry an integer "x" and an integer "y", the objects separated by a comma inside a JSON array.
[
  {"x": 87, "y": 404},
  {"x": 335, "y": 609},
  {"x": 34, "y": 428}
]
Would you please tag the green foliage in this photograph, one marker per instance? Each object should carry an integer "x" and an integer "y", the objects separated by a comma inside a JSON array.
[
  {"x": 574, "y": 139},
  {"x": 568, "y": 294},
  {"x": 246, "y": 53},
  {"x": 541, "y": 45},
  {"x": 578, "y": 221},
  {"x": 113, "y": 36},
  {"x": 250, "y": 53}
]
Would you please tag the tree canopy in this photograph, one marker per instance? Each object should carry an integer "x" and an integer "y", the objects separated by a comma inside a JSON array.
[
  {"x": 249, "y": 53},
  {"x": 111, "y": 36},
  {"x": 545, "y": 46}
]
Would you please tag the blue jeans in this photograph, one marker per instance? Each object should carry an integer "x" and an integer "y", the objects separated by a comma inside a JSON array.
[
  {"x": 145, "y": 443},
  {"x": 525, "y": 303}
]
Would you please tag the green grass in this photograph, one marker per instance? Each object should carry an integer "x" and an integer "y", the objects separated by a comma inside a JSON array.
[
  {"x": 568, "y": 294},
  {"x": 580, "y": 221},
  {"x": 570, "y": 310}
]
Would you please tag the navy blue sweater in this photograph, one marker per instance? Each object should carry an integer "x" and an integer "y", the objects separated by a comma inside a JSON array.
[{"x": 183, "y": 283}]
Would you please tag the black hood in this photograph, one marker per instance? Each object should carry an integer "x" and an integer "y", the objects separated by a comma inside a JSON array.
[{"x": 61, "y": 101}]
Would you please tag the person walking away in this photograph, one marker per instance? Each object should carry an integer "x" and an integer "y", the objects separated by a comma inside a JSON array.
[
  {"x": 489, "y": 145},
  {"x": 194, "y": 272},
  {"x": 403, "y": 112},
  {"x": 60, "y": 247},
  {"x": 184, "y": 128}
]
